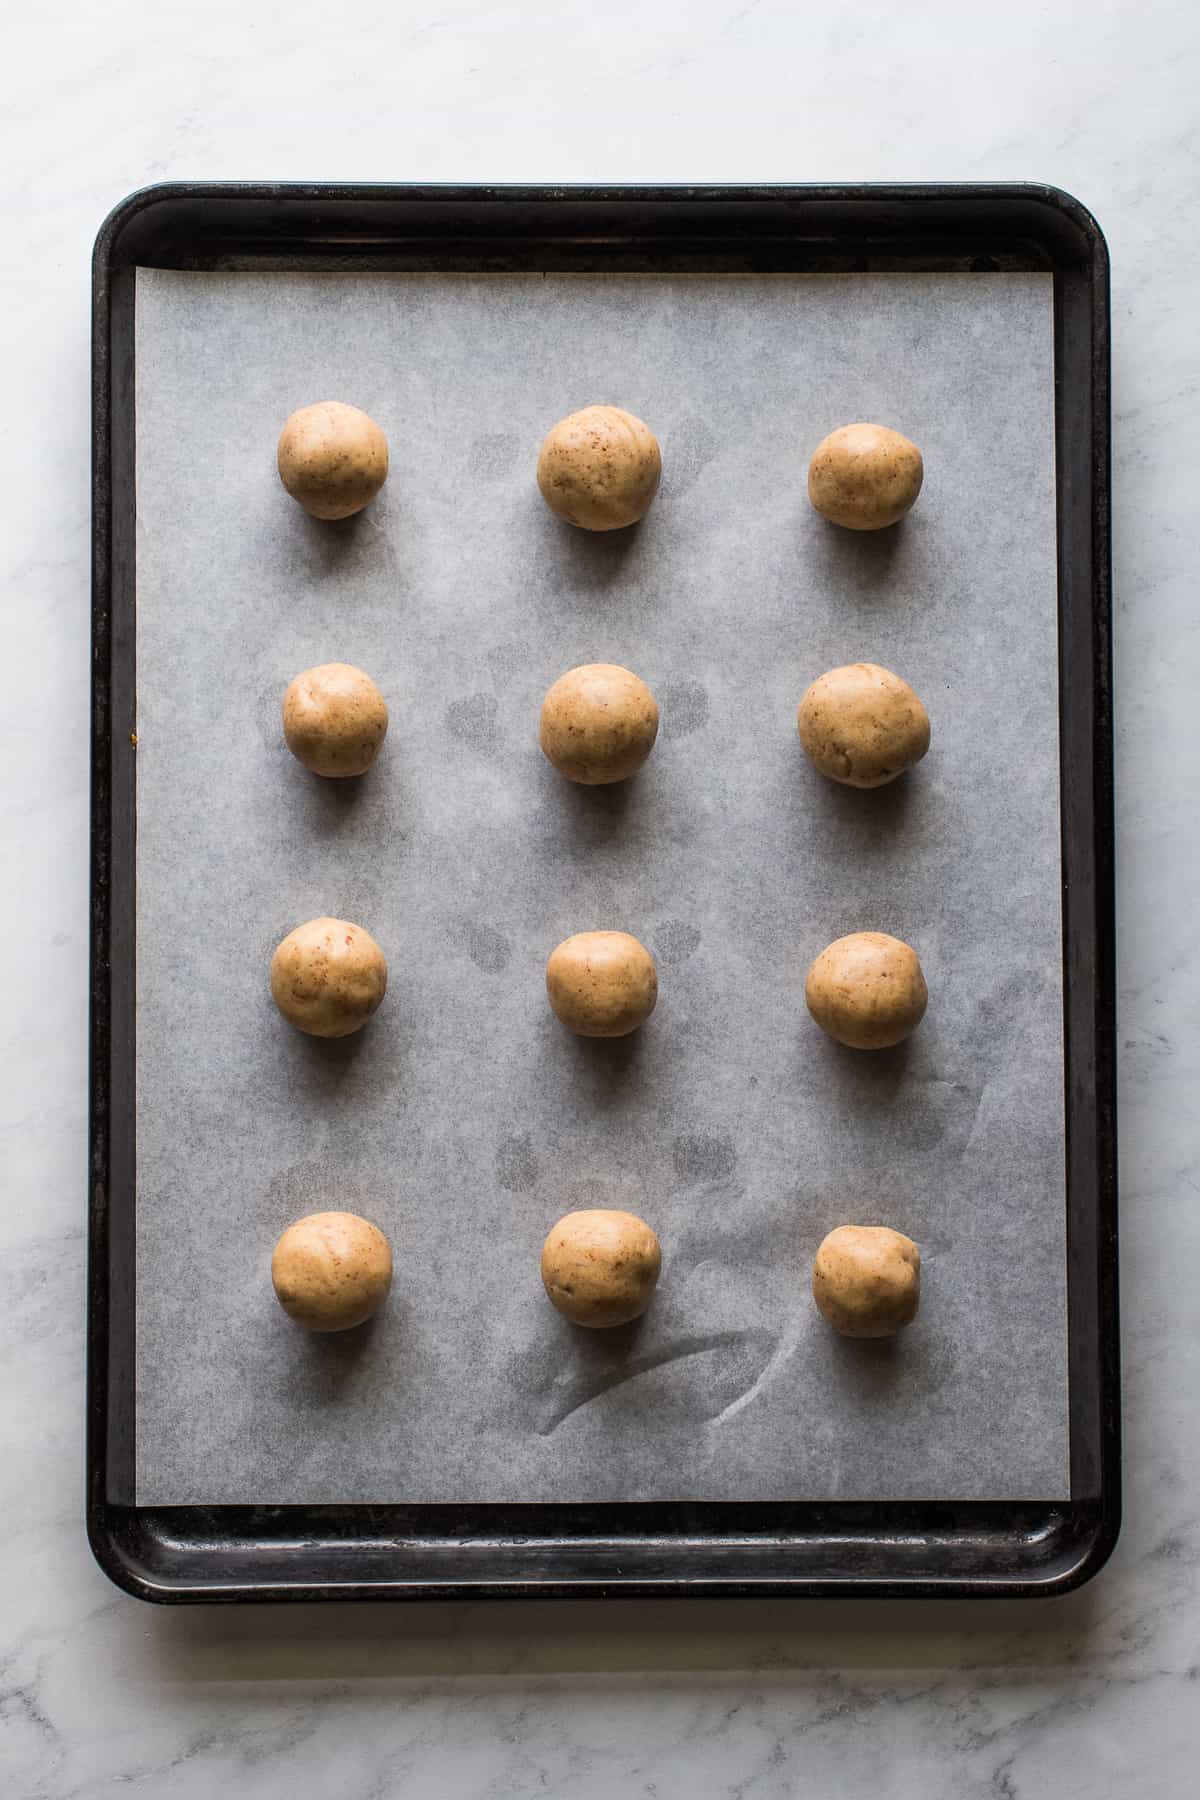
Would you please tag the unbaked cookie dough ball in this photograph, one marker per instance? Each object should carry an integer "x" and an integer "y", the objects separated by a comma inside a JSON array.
[
  {"x": 862, "y": 725},
  {"x": 599, "y": 468},
  {"x": 334, "y": 719},
  {"x": 333, "y": 459},
  {"x": 866, "y": 1280},
  {"x": 867, "y": 990},
  {"x": 864, "y": 476},
  {"x": 598, "y": 724},
  {"x": 602, "y": 984},
  {"x": 331, "y": 1271},
  {"x": 328, "y": 977},
  {"x": 601, "y": 1268}
]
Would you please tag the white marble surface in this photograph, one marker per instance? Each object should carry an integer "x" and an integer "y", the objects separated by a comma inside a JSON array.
[{"x": 100, "y": 1697}]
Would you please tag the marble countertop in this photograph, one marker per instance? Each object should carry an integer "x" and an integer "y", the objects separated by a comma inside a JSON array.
[{"x": 1092, "y": 1695}]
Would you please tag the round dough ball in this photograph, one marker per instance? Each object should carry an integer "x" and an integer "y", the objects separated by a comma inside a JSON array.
[
  {"x": 599, "y": 468},
  {"x": 333, "y": 459},
  {"x": 328, "y": 977},
  {"x": 862, "y": 725},
  {"x": 331, "y": 1271},
  {"x": 866, "y": 1280},
  {"x": 601, "y": 1268},
  {"x": 864, "y": 476},
  {"x": 334, "y": 719},
  {"x": 598, "y": 724},
  {"x": 602, "y": 984},
  {"x": 867, "y": 990}
]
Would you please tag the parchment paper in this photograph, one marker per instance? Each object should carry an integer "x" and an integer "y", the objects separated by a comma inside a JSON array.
[{"x": 464, "y": 1120}]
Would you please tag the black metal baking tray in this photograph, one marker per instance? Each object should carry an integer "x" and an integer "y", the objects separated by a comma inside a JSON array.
[{"x": 227, "y": 1553}]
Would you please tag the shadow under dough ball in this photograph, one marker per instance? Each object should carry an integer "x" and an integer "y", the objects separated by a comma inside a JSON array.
[
  {"x": 328, "y": 977},
  {"x": 864, "y": 477},
  {"x": 866, "y": 1280},
  {"x": 862, "y": 725},
  {"x": 331, "y": 1271},
  {"x": 598, "y": 724},
  {"x": 334, "y": 720},
  {"x": 601, "y": 984},
  {"x": 601, "y": 1268},
  {"x": 333, "y": 459},
  {"x": 867, "y": 990},
  {"x": 599, "y": 468}
]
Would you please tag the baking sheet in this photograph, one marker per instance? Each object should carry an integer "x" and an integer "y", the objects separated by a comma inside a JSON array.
[{"x": 464, "y": 1120}]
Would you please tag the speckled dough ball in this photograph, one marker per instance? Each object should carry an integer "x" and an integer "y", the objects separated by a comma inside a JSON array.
[
  {"x": 334, "y": 720},
  {"x": 601, "y": 1268},
  {"x": 867, "y": 990},
  {"x": 331, "y": 1271},
  {"x": 866, "y": 1280},
  {"x": 602, "y": 984},
  {"x": 864, "y": 476},
  {"x": 600, "y": 468},
  {"x": 598, "y": 724},
  {"x": 328, "y": 977},
  {"x": 333, "y": 459},
  {"x": 862, "y": 725}
]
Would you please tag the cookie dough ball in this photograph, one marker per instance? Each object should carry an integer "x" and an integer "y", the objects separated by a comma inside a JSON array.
[
  {"x": 864, "y": 476},
  {"x": 331, "y": 1271},
  {"x": 867, "y": 990},
  {"x": 599, "y": 468},
  {"x": 601, "y": 1268},
  {"x": 334, "y": 719},
  {"x": 866, "y": 1280},
  {"x": 328, "y": 977},
  {"x": 333, "y": 459},
  {"x": 862, "y": 725},
  {"x": 602, "y": 984},
  {"x": 598, "y": 724}
]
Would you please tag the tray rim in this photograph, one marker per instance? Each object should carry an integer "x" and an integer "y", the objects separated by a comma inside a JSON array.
[{"x": 1001, "y": 1549}]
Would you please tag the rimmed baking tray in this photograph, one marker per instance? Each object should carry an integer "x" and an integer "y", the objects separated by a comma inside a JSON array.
[{"x": 615, "y": 1544}]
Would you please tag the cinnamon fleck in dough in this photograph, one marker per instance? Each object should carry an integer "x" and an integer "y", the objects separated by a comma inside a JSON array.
[
  {"x": 328, "y": 977},
  {"x": 600, "y": 1268},
  {"x": 334, "y": 720},
  {"x": 598, "y": 724},
  {"x": 331, "y": 1271},
  {"x": 867, "y": 990},
  {"x": 333, "y": 459},
  {"x": 599, "y": 468},
  {"x": 866, "y": 1280},
  {"x": 862, "y": 725},
  {"x": 865, "y": 477},
  {"x": 602, "y": 984}
]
